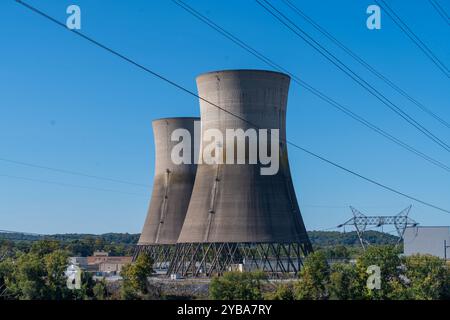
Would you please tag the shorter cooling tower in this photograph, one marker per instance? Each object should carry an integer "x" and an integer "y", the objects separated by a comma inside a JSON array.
[
  {"x": 172, "y": 188},
  {"x": 237, "y": 216}
]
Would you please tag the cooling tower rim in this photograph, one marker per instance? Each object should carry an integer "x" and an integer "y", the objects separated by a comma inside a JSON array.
[
  {"x": 175, "y": 118},
  {"x": 209, "y": 73}
]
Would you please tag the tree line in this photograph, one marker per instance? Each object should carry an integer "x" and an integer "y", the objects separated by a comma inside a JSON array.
[
  {"x": 38, "y": 272},
  {"x": 417, "y": 277}
]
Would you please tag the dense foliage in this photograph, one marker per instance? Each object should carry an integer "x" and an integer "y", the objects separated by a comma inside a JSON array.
[
  {"x": 334, "y": 238},
  {"x": 36, "y": 275},
  {"x": 35, "y": 270},
  {"x": 117, "y": 244},
  {"x": 418, "y": 277},
  {"x": 135, "y": 279},
  {"x": 237, "y": 285},
  {"x": 415, "y": 277},
  {"x": 339, "y": 244},
  {"x": 314, "y": 278}
]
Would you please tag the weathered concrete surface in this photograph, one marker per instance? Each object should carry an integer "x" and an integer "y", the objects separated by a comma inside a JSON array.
[
  {"x": 172, "y": 185},
  {"x": 231, "y": 202}
]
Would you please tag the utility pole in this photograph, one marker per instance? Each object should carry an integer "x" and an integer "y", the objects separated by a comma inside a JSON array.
[{"x": 445, "y": 249}]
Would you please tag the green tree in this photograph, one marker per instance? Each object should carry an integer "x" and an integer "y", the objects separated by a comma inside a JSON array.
[
  {"x": 6, "y": 270},
  {"x": 388, "y": 260},
  {"x": 398, "y": 290},
  {"x": 80, "y": 248},
  {"x": 43, "y": 247},
  {"x": 340, "y": 252},
  {"x": 314, "y": 278},
  {"x": 237, "y": 286},
  {"x": 344, "y": 284},
  {"x": 428, "y": 277},
  {"x": 336, "y": 252},
  {"x": 56, "y": 264},
  {"x": 86, "y": 292},
  {"x": 135, "y": 283},
  {"x": 283, "y": 291},
  {"x": 39, "y": 276},
  {"x": 27, "y": 281},
  {"x": 6, "y": 249},
  {"x": 100, "y": 290},
  {"x": 128, "y": 292},
  {"x": 116, "y": 249},
  {"x": 99, "y": 244}
]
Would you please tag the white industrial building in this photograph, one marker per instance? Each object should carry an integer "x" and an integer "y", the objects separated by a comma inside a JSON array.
[{"x": 427, "y": 240}]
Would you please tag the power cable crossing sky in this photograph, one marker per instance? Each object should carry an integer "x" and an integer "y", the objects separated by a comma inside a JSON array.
[{"x": 388, "y": 101}]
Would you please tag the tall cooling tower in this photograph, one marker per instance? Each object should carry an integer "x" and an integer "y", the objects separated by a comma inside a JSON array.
[
  {"x": 237, "y": 217},
  {"x": 172, "y": 188}
]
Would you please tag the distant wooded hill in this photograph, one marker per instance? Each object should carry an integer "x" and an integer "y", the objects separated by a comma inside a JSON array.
[
  {"x": 332, "y": 238},
  {"x": 318, "y": 238},
  {"x": 111, "y": 238}
]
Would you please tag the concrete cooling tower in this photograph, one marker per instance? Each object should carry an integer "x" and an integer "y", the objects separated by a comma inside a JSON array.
[
  {"x": 237, "y": 216},
  {"x": 172, "y": 188}
]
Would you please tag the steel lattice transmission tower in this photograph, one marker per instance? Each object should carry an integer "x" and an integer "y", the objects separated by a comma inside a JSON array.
[{"x": 360, "y": 221}]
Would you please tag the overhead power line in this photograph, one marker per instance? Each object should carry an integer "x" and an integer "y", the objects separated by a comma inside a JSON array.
[
  {"x": 75, "y": 173},
  {"x": 62, "y": 184},
  {"x": 296, "y": 79},
  {"x": 363, "y": 62},
  {"x": 440, "y": 11},
  {"x": 305, "y": 85},
  {"x": 278, "y": 15},
  {"x": 413, "y": 37},
  {"x": 176, "y": 85}
]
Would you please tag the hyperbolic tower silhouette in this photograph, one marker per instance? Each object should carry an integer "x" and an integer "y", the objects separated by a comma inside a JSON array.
[
  {"x": 172, "y": 188},
  {"x": 238, "y": 218}
]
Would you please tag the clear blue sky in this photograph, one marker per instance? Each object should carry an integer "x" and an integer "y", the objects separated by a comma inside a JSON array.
[{"x": 67, "y": 104}]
